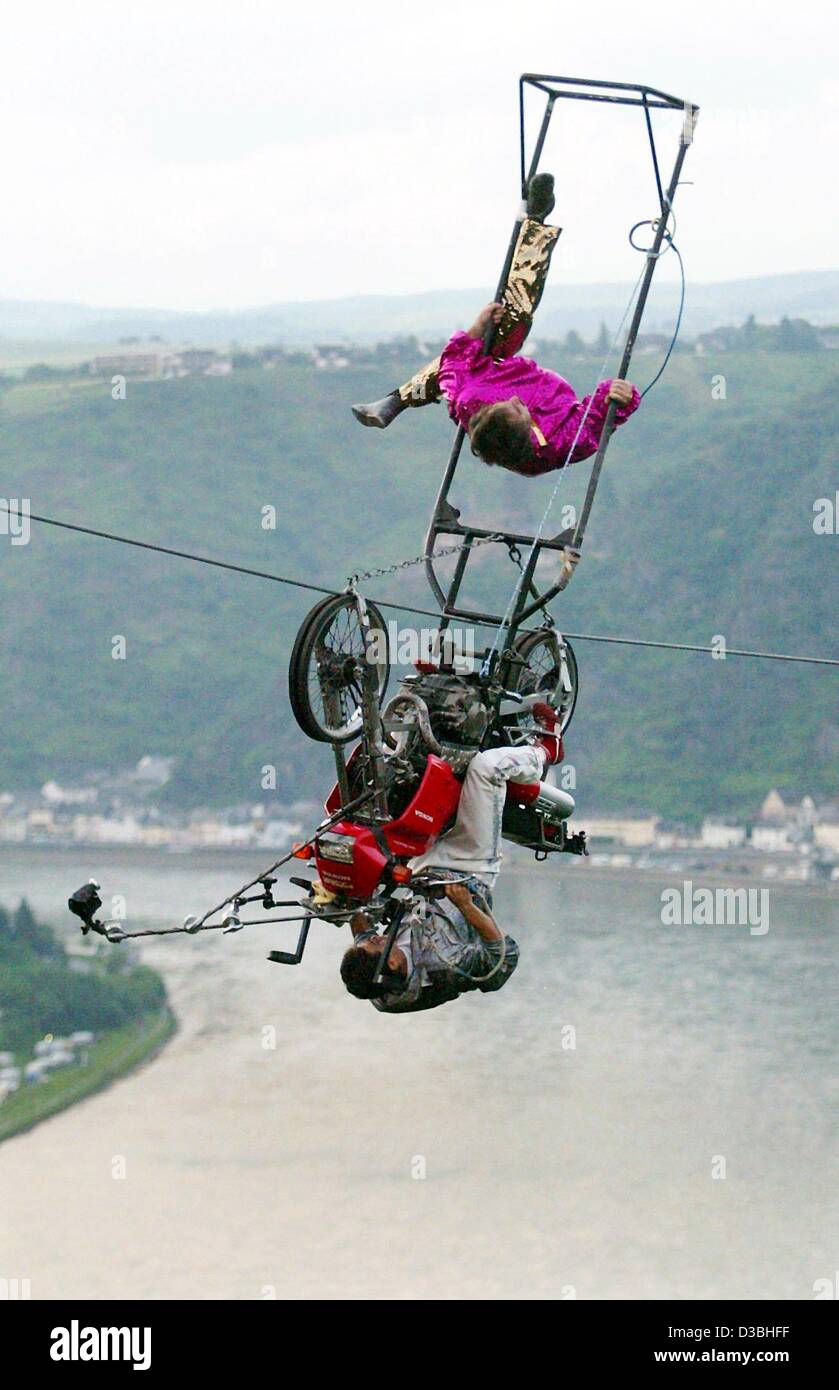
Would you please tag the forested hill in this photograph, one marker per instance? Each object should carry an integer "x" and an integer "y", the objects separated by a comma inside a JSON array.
[
  {"x": 703, "y": 527},
  {"x": 48, "y": 993}
]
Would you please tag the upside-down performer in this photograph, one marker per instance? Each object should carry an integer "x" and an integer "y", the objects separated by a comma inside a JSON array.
[
  {"x": 516, "y": 413},
  {"x": 457, "y": 946}
]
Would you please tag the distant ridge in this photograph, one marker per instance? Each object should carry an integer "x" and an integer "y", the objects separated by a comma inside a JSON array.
[{"x": 813, "y": 295}]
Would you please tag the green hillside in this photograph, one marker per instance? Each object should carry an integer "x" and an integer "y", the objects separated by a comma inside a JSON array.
[
  {"x": 118, "y": 1006},
  {"x": 43, "y": 995},
  {"x": 703, "y": 526}
]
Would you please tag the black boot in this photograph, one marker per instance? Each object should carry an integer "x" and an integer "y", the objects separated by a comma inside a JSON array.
[
  {"x": 540, "y": 197},
  {"x": 379, "y": 414}
]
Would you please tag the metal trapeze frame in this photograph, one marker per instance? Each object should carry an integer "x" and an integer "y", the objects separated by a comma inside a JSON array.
[{"x": 446, "y": 518}]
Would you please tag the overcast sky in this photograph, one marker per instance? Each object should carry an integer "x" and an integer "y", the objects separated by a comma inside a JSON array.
[{"x": 199, "y": 155}]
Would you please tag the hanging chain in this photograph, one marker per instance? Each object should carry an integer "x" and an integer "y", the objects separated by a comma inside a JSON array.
[{"x": 384, "y": 570}]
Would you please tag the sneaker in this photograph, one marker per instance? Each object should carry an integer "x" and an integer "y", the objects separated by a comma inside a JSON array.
[
  {"x": 378, "y": 414},
  {"x": 546, "y": 716}
]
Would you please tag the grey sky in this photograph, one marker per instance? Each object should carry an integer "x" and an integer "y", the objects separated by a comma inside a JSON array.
[{"x": 198, "y": 155}]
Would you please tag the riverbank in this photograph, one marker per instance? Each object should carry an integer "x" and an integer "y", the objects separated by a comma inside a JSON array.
[{"x": 111, "y": 1057}]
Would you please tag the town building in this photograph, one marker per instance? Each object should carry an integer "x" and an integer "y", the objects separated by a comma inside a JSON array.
[
  {"x": 721, "y": 832},
  {"x": 629, "y": 830}
]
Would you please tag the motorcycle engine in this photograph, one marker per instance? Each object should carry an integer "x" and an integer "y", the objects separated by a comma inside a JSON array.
[
  {"x": 457, "y": 709},
  {"x": 455, "y": 712}
]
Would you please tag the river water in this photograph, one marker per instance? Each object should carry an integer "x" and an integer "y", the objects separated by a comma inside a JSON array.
[{"x": 566, "y": 1137}]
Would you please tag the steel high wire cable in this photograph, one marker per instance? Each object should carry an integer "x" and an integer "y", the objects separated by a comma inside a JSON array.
[{"x": 392, "y": 603}]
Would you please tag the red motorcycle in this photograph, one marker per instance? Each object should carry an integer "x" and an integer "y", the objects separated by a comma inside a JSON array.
[{"x": 404, "y": 777}]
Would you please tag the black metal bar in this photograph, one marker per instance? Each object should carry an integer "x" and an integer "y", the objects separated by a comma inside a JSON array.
[
  {"x": 541, "y": 88},
  {"x": 612, "y": 101},
  {"x": 640, "y": 305},
  {"x": 540, "y": 598},
  {"x": 390, "y": 937},
  {"x": 537, "y": 153},
  {"x": 371, "y": 721},
  {"x": 432, "y": 533},
  {"x": 293, "y": 957},
  {"x": 529, "y": 609},
  {"x": 454, "y": 587},
  {"x": 489, "y": 619},
  {"x": 449, "y": 529},
  {"x": 341, "y": 773},
  {"x": 522, "y": 151},
  {"x": 220, "y": 926},
  {"x": 532, "y": 78},
  {"x": 278, "y": 921},
  {"x": 654, "y": 154}
]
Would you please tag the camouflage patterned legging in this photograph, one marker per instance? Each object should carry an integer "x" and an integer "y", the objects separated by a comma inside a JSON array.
[{"x": 525, "y": 283}]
